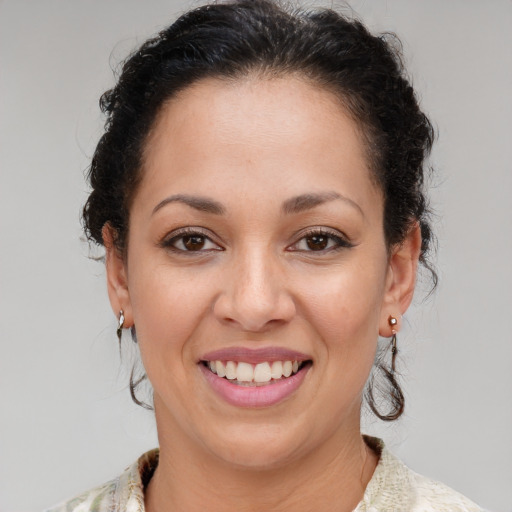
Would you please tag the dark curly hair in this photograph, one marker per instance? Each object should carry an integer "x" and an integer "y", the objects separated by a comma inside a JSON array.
[{"x": 230, "y": 40}]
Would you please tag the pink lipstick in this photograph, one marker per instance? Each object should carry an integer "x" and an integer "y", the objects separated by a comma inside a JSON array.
[
  {"x": 254, "y": 377},
  {"x": 255, "y": 356}
]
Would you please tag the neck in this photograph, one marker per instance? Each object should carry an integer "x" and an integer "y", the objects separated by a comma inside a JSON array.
[{"x": 331, "y": 477}]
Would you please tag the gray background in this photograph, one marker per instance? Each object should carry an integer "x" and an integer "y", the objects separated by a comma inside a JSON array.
[{"x": 67, "y": 422}]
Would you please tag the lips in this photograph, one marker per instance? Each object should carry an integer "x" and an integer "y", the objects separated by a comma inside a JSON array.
[
  {"x": 254, "y": 377},
  {"x": 255, "y": 356}
]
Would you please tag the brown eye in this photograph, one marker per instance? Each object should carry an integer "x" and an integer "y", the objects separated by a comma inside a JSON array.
[
  {"x": 321, "y": 241},
  {"x": 190, "y": 241},
  {"x": 193, "y": 242},
  {"x": 317, "y": 242}
]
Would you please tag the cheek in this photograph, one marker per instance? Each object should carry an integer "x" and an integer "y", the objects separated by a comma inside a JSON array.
[
  {"x": 343, "y": 308},
  {"x": 347, "y": 299},
  {"x": 167, "y": 306}
]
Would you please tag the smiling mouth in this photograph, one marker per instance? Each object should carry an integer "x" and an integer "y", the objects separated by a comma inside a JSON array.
[{"x": 253, "y": 375}]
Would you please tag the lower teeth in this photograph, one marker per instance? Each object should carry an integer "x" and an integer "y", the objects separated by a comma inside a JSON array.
[{"x": 252, "y": 384}]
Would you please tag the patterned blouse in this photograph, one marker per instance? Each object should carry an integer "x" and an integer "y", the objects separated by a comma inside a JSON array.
[{"x": 392, "y": 488}]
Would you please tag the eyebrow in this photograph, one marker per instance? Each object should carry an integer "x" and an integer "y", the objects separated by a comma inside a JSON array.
[
  {"x": 203, "y": 204},
  {"x": 291, "y": 206},
  {"x": 305, "y": 202}
]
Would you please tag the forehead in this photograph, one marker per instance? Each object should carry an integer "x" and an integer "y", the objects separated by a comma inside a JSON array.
[{"x": 248, "y": 134}]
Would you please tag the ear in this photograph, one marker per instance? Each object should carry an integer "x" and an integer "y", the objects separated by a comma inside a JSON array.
[
  {"x": 117, "y": 282},
  {"x": 400, "y": 280}
]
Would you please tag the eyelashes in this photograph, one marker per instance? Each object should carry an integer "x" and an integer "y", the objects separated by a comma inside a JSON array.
[
  {"x": 320, "y": 240},
  {"x": 194, "y": 241}
]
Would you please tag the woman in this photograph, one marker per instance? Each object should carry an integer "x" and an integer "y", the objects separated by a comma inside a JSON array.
[{"x": 258, "y": 191}]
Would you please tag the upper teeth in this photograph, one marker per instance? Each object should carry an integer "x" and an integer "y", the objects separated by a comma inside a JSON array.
[{"x": 246, "y": 372}]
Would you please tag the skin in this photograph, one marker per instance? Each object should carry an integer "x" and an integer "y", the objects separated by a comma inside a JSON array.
[{"x": 251, "y": 145}]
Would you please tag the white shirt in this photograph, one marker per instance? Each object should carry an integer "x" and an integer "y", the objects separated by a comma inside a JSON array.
[{"x": 392, "y": 488}]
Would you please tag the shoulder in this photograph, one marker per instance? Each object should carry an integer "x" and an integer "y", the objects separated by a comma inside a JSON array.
[
  {"x": 395, "y": 487},
  {"x": 123, "y": 493},
  {"x": 432, "y": 496},
  {"x": 98, "y": 499}
]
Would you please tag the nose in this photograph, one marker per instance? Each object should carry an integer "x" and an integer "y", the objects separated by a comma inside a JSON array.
[{"x": 255, "y": 295}]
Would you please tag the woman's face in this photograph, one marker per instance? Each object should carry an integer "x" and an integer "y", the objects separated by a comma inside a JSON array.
[{"x": 256, "y": 239}]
